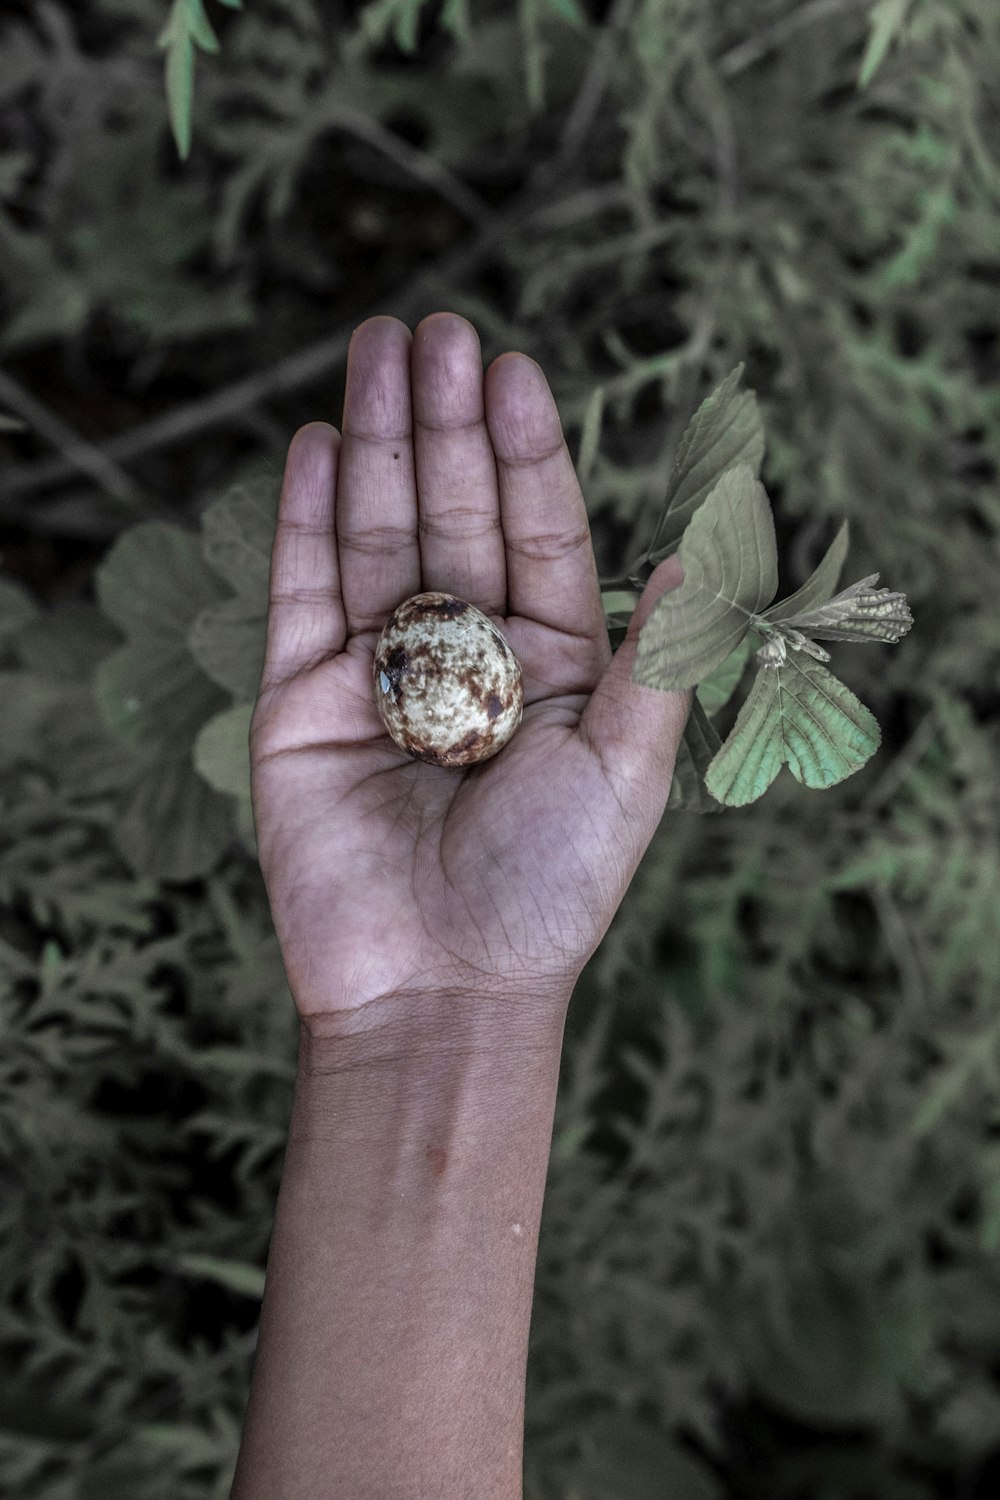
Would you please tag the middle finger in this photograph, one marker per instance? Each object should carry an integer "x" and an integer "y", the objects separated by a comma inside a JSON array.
[
  {"x": 376, "y": 512},
  {"x": 461, "y": 539}
]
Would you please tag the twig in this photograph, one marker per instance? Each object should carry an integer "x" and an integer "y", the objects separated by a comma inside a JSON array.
[
  {"x": 317, "y": 359},
  {"x": 233, "y": 402},
  {"x": 586, "y": 204},
  {"x": 591, "y": 91},
  {"x": 413, "y": 161},
  {"x": 79, "y": 454},
  {"x": 289, "y": 374},
  {"x": 749, "y": 51}
]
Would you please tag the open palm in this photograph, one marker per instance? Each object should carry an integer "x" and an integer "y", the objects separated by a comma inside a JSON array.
[{"x": 387, "y": 876}]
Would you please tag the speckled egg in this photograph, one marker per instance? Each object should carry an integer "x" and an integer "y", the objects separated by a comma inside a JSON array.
[{"x": 447, "y": 685}]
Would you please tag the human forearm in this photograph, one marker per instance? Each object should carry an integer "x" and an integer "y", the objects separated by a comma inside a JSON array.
[{"x": 394, "y": 1330}]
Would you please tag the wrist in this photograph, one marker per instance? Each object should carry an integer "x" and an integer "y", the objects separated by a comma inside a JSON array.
[{"x": 402, "y": 1063}]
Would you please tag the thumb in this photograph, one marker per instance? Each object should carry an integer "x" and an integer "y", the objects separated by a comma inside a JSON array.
[{"x": 635, "y": 729}]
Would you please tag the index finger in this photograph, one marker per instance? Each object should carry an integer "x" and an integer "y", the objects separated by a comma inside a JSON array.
[
  {"x": 305, "y": 617},
  {"x": 551, "y": 572}
]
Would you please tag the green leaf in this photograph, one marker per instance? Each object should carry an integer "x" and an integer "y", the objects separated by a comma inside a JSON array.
[
  {"x": 238, "y": 531},
  {"x": 570, "y": 11},
  {"x": 170, "y": 824},
  {"x": 154, "y": 581},
  {"x": 619, "y": 607},
  {"x": 533, "y": 52},
  {"x": 819, "y": 586},
  {"x": 200, "y": 27},
  {"x": 590, "y": 434},
  {"x": 187, "y": 27},
  {"x": 227, "y": 641},
  {"x": 887, "y": 16},
  {"x": 859, "y": 613},
  {"x": 234, "y": 1275},
  {"x": 222, "y": 751},
  {"x": 699, "y": 743},
  {"x": 455, "y": 19},
  {"x": 975, "y": 1056},
  {"x": 180, "y": 92},
  {"x": 150, "y": 693},
  {"x": 399, "y": 19},
  {"x": 726, "y": 430},
  {"x": 715, "y": 690},
  {"x": 796, "y": 714},
  {"x": 67, "y": 643},
  {"x": 730, "y": 560}
]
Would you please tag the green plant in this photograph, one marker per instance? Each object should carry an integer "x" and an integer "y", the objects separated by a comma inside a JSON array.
[
  {"x": 188, "y": 27},
  {"x": 177, "y": 695},
  {"x": 796, "y": 712}
]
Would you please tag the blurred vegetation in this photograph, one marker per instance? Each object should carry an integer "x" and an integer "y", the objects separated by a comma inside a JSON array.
[{"x": 770, "y": 1255}]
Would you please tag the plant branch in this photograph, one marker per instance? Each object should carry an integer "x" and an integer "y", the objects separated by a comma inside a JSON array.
[
  {"x": 78, "y": 454},
  {"x": 414, "y": 162},
  {"x": 493, "y": 229},
  {"x": 590, "y": 93},
  {"x": 744, "y": 54},
  {"x": 232, "y": 403}
]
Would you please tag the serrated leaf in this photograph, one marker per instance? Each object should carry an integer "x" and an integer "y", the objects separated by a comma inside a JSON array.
[
  {"x": 171, "y": 825},
  {"x": 715, "y": 690},
  {"x": 819, "y": 586},
  {"x": 149, "y": 693},
  {"x": 227, "y": 642},
  {"x": 796, "y": 714},
  {"x": 730, "y": 560},
  {"x": 726, "y": 430},
  {"x": 859, "y": 613},
  {"x": 238, "y": 530},
  {"x": 154, "y": 581},
  {"x": 887, "y": 16},
  {"x": 222, "y": 751},
  {"x": 698, "y": 744}
]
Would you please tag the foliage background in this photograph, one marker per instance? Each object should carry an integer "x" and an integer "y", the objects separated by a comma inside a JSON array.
[{"x": 769, "y": 1259}]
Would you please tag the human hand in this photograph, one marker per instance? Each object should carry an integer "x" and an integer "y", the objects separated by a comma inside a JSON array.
[{"x": 388, "y": 877}]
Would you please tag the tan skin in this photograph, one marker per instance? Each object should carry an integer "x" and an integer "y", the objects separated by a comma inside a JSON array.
[
  {"x": 389, "y": 877},
  {"x": 433, "y": 922}
]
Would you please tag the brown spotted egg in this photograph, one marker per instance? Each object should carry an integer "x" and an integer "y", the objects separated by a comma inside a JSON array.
[{"x": 448, "y": 688}]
